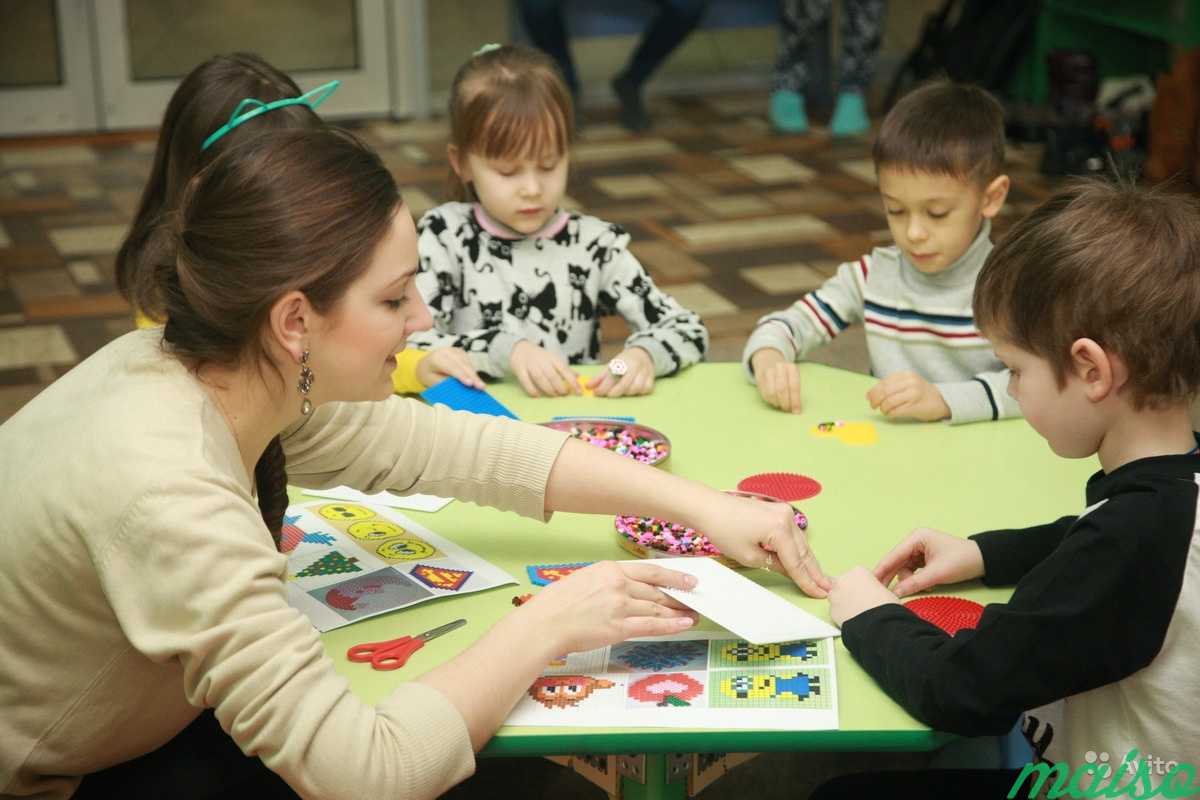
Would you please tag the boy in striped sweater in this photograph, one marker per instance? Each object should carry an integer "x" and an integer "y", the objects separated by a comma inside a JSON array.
[{"x": 939, "y": 158}]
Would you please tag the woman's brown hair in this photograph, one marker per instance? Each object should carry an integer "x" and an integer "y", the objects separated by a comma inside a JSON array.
[
  {"x": 200, "y": 105},
  {"x": 509, "y": 102},
  {"x": 289, "y": 210}
]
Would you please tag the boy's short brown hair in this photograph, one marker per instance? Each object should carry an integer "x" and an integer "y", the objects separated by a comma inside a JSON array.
[
  {"x": 944, "y": 128},
  {"x": 1107, "y": 261}
]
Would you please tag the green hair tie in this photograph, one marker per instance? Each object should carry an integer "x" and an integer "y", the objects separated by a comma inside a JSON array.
[{"x": 487, "y": 48}]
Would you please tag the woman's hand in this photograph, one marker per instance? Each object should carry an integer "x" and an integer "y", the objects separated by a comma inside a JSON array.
[
  {"x": 637, "y": 380},
  {"x": 448, "y": 362},
  {"x": 760, "y": 534},
  {"x": 855, "y": 592},
  {"x": 927, "y": 558},
  {"x": 542, "y": 373},
  {"x": 610, "y": 602},
  {"x": 778, "y": 379}
]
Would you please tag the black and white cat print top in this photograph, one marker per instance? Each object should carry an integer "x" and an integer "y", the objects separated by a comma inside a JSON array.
[{"x": 489, "y": 288}]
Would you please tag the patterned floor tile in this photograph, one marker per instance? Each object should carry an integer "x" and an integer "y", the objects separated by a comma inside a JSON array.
[
  {"x": 794, "y": 278},
  {"x": 608, "y": 152},
  {"x": 48, "y": 156},
  {"x": 32, "y": 285},
  {"x": 88, "y": 239},
  {"x": 626, "y": 186},
  {"x": 34, "y": 345},
  {"x": 771, "y": 169},
  {"x": 735, "y": 205},
  {"x": 701, "y": 299},
  {"x": 861, "y": 168},
  {"x": 85, "y": 273},
  {"x": 668, "y": 264},
  {"x": 725, "y": 235}
]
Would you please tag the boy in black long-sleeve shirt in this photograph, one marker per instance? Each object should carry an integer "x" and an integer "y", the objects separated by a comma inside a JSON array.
[{"x": 1093, "y": 302}]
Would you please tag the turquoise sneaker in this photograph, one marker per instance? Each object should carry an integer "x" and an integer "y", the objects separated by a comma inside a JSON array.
[
  {"x": 787, "y": 111},
  {"x": 849, "y": 115}
]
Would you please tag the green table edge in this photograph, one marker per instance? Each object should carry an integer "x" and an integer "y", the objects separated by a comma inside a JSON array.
[{"x": 716, "y": 741}]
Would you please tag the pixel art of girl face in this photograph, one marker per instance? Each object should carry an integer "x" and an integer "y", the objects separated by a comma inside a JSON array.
[{"x": 565, "y": 691}]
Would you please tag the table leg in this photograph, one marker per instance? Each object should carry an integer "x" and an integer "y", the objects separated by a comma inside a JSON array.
[{"x": 654, "y": 776}]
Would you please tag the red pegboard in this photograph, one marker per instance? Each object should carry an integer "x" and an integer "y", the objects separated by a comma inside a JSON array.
[
  {"x": 787, "y": 486},
  {"x": 951, "y": 614}
]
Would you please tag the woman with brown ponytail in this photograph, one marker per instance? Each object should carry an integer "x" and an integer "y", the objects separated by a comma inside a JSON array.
[{"x": 143, "y": 593}]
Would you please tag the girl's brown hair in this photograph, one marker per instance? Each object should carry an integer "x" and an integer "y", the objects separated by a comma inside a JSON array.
[
  {"x": 509, "y": 102},
  {"x": 285, "y": 210},
  {"x": 200, "y": 105}
]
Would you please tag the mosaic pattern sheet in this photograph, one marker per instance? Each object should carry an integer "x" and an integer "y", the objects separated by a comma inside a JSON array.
[
  {"x": 696, "y": 680},
  {"x": 350, "y": 561}
]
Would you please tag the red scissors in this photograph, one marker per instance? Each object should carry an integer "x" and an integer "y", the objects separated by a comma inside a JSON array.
[{"x": 394, "y": 653}]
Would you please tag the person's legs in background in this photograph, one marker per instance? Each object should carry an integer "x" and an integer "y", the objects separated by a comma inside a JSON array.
[
  {"x": 798, "y": 19},
  {"x": 543, "y": 20},
  {"x": 862, "y": 27},
  {"x": 675, "y": 21}
]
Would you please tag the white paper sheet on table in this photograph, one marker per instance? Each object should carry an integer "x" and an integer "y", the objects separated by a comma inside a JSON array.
[
  {"x": 741, "y": 606},
  {"x": 413, "y": 502}
]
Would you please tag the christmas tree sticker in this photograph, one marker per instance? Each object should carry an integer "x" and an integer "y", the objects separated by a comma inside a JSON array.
[{"x": 332, "y": 564}]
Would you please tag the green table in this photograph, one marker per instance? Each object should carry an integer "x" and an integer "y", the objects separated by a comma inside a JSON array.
[{"x": 959, "y": 479}]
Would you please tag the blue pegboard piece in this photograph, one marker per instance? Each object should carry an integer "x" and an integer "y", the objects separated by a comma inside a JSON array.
[{"x": 457, "y": 395}]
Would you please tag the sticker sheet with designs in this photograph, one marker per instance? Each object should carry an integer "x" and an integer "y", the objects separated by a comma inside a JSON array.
[
  {"x": 689, "y": 680},
  {"x": 349, "y": 561}
]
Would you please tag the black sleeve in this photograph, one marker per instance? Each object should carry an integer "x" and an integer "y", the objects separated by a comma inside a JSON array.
[
  {"x": 1009, "y": 554},
  {"x": 1094, "y": 611}
]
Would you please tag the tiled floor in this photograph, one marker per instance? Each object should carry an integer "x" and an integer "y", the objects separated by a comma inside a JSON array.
[{"x": 732, "y": 218}]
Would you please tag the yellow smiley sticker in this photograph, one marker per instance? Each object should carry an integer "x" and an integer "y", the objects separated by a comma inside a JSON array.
[
  {"x": 374, "y": 530},
  {"x": 405, "y": 549},
  {"x": 345, "y": 512}
]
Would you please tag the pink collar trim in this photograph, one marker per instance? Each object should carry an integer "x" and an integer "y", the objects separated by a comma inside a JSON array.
[{"x": 502, "y": 231}]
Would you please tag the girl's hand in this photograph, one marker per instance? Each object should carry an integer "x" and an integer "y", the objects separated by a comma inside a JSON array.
[
  {"x": 760, "y": 534},
  {"x": 447, "y": 362},
  {"x": 855, "y": 592},
  {"x": 907, "y": 394},
  {"x": 778, "y": 379},
  {"x": 610, "y": 602},
  {"x": 542, "y": 373},
  {"x": 927, "y": 558},
  {"x": 637, "y": 380}
]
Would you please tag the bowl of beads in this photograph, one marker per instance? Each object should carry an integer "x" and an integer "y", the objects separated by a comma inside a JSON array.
[
  {"x": 646, "y": 537},
  {"x": 639, "y": 442}
]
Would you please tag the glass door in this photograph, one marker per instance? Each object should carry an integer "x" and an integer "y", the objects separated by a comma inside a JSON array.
[
  {"x": 148, "y": 45},
  {"x": 46, "y": 77}
]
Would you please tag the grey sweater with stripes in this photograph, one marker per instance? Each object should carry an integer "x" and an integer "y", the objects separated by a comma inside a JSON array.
[{"x": 913, "y": 321}]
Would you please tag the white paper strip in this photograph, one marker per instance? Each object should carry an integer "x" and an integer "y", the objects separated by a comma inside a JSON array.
[
  {"x": 414, "y": 502},
  {"x": 740, "y": 605}
]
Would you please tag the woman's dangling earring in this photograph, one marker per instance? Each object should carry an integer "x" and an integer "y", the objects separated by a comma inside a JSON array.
[{"x": 305, "y": 384}]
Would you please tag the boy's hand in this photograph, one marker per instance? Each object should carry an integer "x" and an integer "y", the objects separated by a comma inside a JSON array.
[
  {"x": 907, "y": 394},
  {"x": 855, "y": 592},
  {"x": 638, "y": 378},
  {"x": 927, "y": 558},
  {"x": 541, "y": 372},
  {"x": 448, "y": 362},
  {"x": 778, "y": 379}
]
